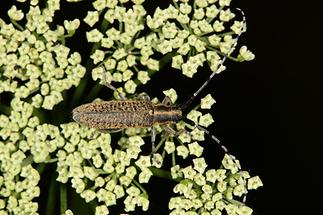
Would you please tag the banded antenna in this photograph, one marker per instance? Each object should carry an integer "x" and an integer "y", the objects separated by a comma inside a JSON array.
[{"x": 242, "y": 30}]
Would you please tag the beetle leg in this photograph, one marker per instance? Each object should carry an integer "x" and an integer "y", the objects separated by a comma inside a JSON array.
[
  {"x": 153, "y": 139},
  {"x": 167, "y": 101},
  {"x": 143, "y": 96},
  {"x": 105, "y": 83},
  {"x": 113, "y": 130},
  {"x": 171, "y": 131}
]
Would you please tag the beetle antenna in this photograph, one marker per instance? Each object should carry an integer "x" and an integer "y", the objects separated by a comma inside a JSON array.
[
  {"x": 242, "y": 30},
  {"x": 226, "y": 151}
]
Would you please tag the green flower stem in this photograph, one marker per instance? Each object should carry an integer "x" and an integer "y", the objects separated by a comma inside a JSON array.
[
  {"x": 173, "y": 159},
  {"x": 163, "y": 174},
  {"x": 63, "y": 198},
  {"x": 197, "y": 107},
  {"x": 233, "y": 201},
  {"x": 228, "y": 56},
  {"x": 28, "y": 160},
  {"x": 175, "y": 4},
  {"x": 189, "y": 126},
  {"x": 41, "y": 167},
  {"x": 15, "y": 23},
  {"x": 165, "y": 60},
  {"x": 219, "y": 35},
  {"x": 226, "y": 34},
  {"x": 71, "y": 34},
  {"x": 210, "y": 47},
  {"x": 139, "y": 186},
  {"x": 53, "y": 160},
  {"x": 159, "y": 144},
  {"x": 52, "y": 196},
  {"x": 63, "y": 41}
]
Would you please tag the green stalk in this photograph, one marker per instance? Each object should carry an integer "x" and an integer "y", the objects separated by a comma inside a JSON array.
[
  {"x": 139, "y": 186},
  {"x": 28, "y": 160},
  {"x": 160, "y": 173},
  {"x": 159, "y": 144},
  {"x": 63, "y": 198},
  {"x": 52, "y": 196},
  {"x": 220, "y": 53},
  {"x": 173, "y": 159},
  {"x": 15, "y": 23},
  {"x": 40, "y": 168}
]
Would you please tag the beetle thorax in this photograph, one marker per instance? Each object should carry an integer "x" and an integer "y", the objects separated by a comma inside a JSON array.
[{"x": 166, "y": 114}]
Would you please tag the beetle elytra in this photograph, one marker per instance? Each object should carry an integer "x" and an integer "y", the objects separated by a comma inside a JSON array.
[{"x": 120, "y": 114}]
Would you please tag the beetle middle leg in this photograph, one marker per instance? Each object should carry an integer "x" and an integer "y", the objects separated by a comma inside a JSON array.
[{"x": 171, "y": 131}]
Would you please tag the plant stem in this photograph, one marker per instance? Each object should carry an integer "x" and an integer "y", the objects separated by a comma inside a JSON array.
[
  {"x": 63, "y": 198},
  {"x": 159, "y": 144},
  {"x": 52, "y": 193},
  {"x": 40, "y": 168},
  {"x": 139, "y": 186},
  {"x": 162, "y": 174},
  {"x": 173, "y": 159}
]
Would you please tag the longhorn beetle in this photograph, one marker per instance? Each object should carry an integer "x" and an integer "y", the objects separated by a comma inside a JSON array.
[{"x": 113, "y": 116}]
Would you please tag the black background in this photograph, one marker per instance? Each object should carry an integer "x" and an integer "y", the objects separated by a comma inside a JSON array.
[{"x": 269, "y": 111}]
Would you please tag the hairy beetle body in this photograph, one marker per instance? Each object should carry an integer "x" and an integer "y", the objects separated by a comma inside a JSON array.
[{"x": 125, "y": 114}]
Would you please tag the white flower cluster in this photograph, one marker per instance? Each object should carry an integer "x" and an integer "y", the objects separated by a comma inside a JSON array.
[
  {"x": 34, "y": 63},
  {"x": 124, "y": 56},
  {"x": 88, "y": 156},
  {"x": 36, "y": 67},
  {"x": 211, "y": 191},
  {"x": 197, "y": 34},
  {"x": 82, "y": 155},
  {"x": 23, "y": 130},
  {"x": 189, "y": 135},
  {"x": 18, "y": 149}
]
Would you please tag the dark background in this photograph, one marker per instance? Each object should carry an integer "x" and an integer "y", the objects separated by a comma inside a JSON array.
[{"x": 269, "y": 111}]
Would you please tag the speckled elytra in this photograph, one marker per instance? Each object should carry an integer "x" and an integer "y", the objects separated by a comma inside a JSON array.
[{"x": 120, "y": 114}]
